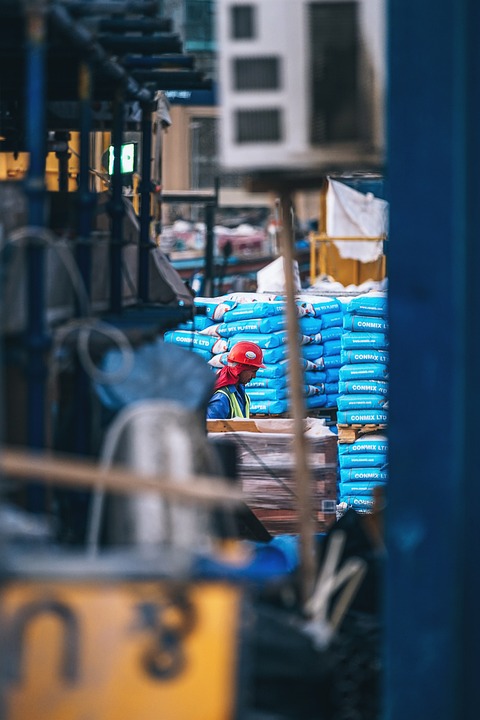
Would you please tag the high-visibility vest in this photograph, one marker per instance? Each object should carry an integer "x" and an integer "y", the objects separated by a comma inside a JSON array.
[{"x": 235, "y": 409}]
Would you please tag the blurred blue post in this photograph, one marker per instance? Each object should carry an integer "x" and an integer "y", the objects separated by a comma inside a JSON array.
[
  {"x": 433, "y": 533},
  {"x": 36, "y": 340},
  {"x": 117, "y": 210},
  {"x": 145, "y": 244},
  {"x": 86, "y": 201}
]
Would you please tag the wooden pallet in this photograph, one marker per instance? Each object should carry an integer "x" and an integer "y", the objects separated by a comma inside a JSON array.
[{"x": 350, "y": 433}]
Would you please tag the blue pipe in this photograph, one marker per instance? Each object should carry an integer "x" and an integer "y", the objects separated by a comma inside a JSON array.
[
  {"x": 433, "y": 533},
  {"x": 36, "y": 340},
  {"x": 145, "y": 244},
  {"x": 86, "y": 200}
]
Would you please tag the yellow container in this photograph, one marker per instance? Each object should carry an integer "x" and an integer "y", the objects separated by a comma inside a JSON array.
[{"x": 118, "y": 650}]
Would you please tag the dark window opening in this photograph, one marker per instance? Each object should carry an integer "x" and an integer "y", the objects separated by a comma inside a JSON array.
[
  {"x": 334, "y": 72},
  {"x": 242, "y": 22},
  {"x": 256, "y": 73},
  {"x": 258, "y": 126}
]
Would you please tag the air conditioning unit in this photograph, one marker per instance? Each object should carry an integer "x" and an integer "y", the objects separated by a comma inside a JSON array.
[{"x": 301, "y": 85}]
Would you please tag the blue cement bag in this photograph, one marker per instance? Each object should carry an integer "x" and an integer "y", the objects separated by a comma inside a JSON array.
[
  {"x": 362, "y": 460},
  {"x": 332, "y": 320},
  {"x": 362, "y": 402},
  {"x": 317, "y": 306},
  {"x": 360, "y": 503},
  {"x": 362, "y": 372},
  {"x": 361, "y": 323},
  {"x": 274, "y": 355},
  {"x": 268, "y": 408},
  {"x": 321, "y": 387},
  {"x": 311, "y": 390},
  {"x": 376, "y": 387},
  {"x": 367, "y": 305},
  {"x": 349, "y": 489},
  {"x": 332, "y": 375},
  {"x": 357, "y": 340},
  {"x": 331, "y": 333},
  {"x": 332, "y": 400},
  {"x": 314, "y": 378},
  {"x": 332, "y": 361},
  {"x": 331, "y": 388},
  {"x": 199, "y": 323},
  {"x": 254, "y": 325},
  {"x": 247, "y": 311},
  {"x": 196, "y": 340},
  {"x": 214, "y": 309},
  {"x": 267, "y": 382},
  {"x": 366, "y": 355},
  {"x": 332, "y": 347},
  {"x": 362, "y": 417},
  {"x": 267, "y": 394},
  {"x": 326, "y": 306},
  {"x": 315, "y": 401},
  {"x": 348, "y": 475},
  {"x": 275, "y": 370},
  {"x": 263, "y": 340},
  {"x": 308, "y": 366},
  {"x": 309, "y": 339},
  {"x": 312, "y": 352},
  {"x": 373, "y": 443},
  {"x": 310, "y": 325}
]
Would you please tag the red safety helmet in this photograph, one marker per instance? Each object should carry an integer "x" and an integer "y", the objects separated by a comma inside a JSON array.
[{"x": 246, "y": 353}]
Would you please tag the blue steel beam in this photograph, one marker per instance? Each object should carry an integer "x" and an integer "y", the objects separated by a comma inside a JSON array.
[
  {"x": 433, "y": 535},
  {"x": 36, "y": 340},
  {"x": 145, "y": 244}
]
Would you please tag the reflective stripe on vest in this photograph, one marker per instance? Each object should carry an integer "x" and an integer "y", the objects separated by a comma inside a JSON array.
[{"x": 235, "y": 409}]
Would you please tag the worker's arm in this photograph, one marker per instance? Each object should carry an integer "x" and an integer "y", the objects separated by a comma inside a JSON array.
[{"x": 218, "y": 407}]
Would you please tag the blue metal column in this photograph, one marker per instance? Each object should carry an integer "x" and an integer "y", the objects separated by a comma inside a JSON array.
[
  {"x": 433, "y": 534},
  {"x": 117, "y": 209},
  {"x": 86, "y": 201},
  {"x": 86, "y": 198},
  {"x": 36, "y": 340},
  {"x": 145, "y": 244}
]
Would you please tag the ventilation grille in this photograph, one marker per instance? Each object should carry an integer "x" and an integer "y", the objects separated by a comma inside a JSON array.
[
  {"x": 258, "y": 126},
  {"x": 242, "y": 22},
  {"x": 334, "y": 72},
  {"x": 261, "y": 73}
]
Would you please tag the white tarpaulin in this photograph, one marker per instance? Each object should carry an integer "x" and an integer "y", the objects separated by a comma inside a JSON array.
[{"x": 354, "y": 214}]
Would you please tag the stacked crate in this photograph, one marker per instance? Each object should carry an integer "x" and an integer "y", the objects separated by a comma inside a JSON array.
[{"x": 266, "y": 470}]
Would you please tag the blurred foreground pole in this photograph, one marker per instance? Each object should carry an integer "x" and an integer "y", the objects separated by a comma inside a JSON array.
[
  {"x": 433, "y": 533},
  {"x": 295, "y": 377},
  {"x": 36, "y": 140}
]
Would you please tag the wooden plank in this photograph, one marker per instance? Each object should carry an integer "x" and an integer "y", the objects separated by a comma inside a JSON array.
[
  {"x": 350, "y": 433},
  {"x": 237, "y": 425},
  {"x": 76, "y": 472}
]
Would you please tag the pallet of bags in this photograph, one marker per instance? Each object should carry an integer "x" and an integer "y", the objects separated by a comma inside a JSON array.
[
  {"x": 363, "y": 399},
  {"x": 264, "y": 323},
  {"x": 323, "y": 323},
  {"x": 266, "y": 470},
  {"x": 363, "y": 467}
]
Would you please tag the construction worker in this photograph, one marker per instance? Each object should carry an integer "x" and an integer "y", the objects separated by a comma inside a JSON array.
[{"x": 229, "y": 399}]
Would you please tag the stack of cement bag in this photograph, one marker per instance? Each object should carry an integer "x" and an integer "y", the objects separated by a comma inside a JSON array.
[
  {"x": 261, "y": 319},
  {"x": 363, "y": 467},
  {"x": 363, "y": 399},
  {"x": 323, "y": 324}
]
